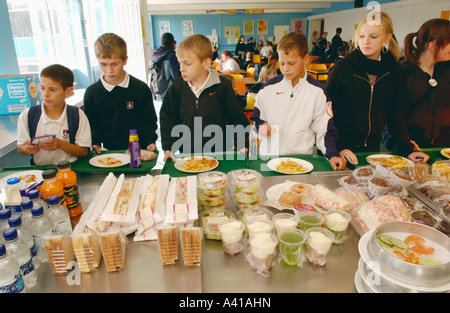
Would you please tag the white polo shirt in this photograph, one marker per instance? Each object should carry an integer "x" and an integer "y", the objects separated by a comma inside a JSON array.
[
  {"x": 231, "y": 65},
  {"x": 58, "y": 127}
]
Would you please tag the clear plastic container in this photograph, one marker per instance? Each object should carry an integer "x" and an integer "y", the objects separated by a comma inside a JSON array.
[
  {"x": 260, "y": 225},
  {"x": 87, "y": 251},
  {"x": 18, "y": 249},
  {"x": 25, "y": 235},
  {"x": 319, "y": 241},
  {"x": 248, "y": 215},
  {"x": 191, "y": 245},
  {"x": 337, "y": 222},
  {"x": 168, "y": 244},
  {"x": 60, "y": 216},
  {"x": 11, "y": 280},
  {"x": 60, "y": 253},
  {"x": 245, "y": 180},
  {"x": 212, "y": 183},
  {"x": 284, "y": 221},
  {"x": 212, "y": 219},
  {"x": 114, "y": 247},
  {"x": 232, "y": 235}
]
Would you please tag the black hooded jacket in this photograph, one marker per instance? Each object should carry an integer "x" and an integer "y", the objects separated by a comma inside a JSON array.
[{"x": 363, "y": 107}]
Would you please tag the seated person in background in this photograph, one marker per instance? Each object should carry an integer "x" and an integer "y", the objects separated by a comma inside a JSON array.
[
  {"x": 266, "y": 51},
  {"x": 198, "y": 99},
  {"x": 215, "y": 51},
  {"x": 68, "y": 124},
  {"x": 228, "y": 64},
  {"x": 291, "y": 109},
  {"x": 247, "y": 61},
  {"x": 118, "y": 102},
  {"x": 342, "y": 53},
  {"x": 268, "y": 71}
]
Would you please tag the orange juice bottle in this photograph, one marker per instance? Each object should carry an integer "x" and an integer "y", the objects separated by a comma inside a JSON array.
[
  {"x": 51, "y": 186},
  {"x": 70, "y": 183}
]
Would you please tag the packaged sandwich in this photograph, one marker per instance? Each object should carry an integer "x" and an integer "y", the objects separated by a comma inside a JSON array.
[
  {"x": 168, "y": 244},
  {"x": 113, "y": 245},
  {"x": 60, "y": 253},
  {"x": 191, "y": 245},
  {"x": 181, "y": 201},
  {"x": 212, "y": 219},
  {"x": 86, "y": 247}
]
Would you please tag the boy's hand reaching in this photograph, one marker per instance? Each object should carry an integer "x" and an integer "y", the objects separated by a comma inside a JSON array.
[
  {"x": 338, "y": 163},
  {"x": 168, "y": 154},
  {"x": 265, "y": 130},
  {"x": 349, "y": 155},
  {"x": 151, "y": 147},
  {"x": 28, "y": 148},
  {"x": 96, "y": 149}
]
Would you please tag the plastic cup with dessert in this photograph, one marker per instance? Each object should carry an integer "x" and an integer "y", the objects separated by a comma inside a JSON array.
[
  {"x": 259, "y": 225},
  {"x": 291, "y": 242},
  {"x": 318, "y": 241},
  {"x": 284, "y": 221},
  {"x": 262, "y": 247},
  {"x": 337, "y": 222},
  {"x": 232, "y": 234},
  {"x": 308, "y": 219}
]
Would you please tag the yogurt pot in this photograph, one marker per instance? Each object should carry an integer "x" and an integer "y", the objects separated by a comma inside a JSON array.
[
  {"x": 262, "y": 246},
  {"x": 232, "y": 232},
  {"x": 260, "y": 226},
  {"x": 337, "y": 222},
  {"x": 284, "y": 221},
  {"x": 319, "y": 241}
]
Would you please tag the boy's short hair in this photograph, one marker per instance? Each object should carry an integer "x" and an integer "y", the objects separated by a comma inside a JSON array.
[
  {"x": 292, "y": 41},
  {"x": 199, "y": 44},
  {"x": 59, "y": 73},
  {"x": 110, "y": 45},
  {"x": 167, "y": 40}
]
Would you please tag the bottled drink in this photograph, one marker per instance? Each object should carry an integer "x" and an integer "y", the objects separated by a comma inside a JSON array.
[
  {"x": 35, "y": 197},
  {"x": 41, "y": 226},
  {"x": 60, "y": 217},
  {"x": 52, "y": 186},
  {"x": 135, "y": 149},
  {"x": 26, "y": 214},
  {"x": 18, "y": 249},
  {"x": 5, "y": 214},
  {"x": 70, "y": 184},
  {"x": 11, "y": 280},
  {"x": 26, "y": 236},
  {"x": 13, "y": 197}
]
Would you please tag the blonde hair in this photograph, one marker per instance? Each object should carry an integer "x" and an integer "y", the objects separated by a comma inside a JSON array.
[
  {"x": 387, "y": 27},
  {"x": 110, "y": 45},
  {"x": 267, "y": 70},
  {"x": 199, "y": 44}
]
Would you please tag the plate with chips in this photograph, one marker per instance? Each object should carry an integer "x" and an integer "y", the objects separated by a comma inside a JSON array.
[
  {"x": 290, "y": 166},
  {"x": 109, "y": 160},
  {"x": 389, "y": 160},
  {"x": 446, "y": 152},
  {"x": 196, "y": 164}
]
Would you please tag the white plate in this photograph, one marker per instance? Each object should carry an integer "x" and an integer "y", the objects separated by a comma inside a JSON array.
[
  {"x": 365, "y": 256},
  {"x": 410, "y": 163},
  {"x": 180, "y": 162},
  {"x": 360, "y": 285},
  {"x": 446, "y": 152},
  {"x": 124, "y": 158},
  {"x": 37, "y": 173},
  {"x": 274, "y": 193},
  {"x": 272, "y": 164}
]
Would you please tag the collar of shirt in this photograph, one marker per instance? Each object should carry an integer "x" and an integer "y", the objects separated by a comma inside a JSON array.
[
  {"x": 199, "y": 91},
  {"x": 46, "y": 119},
  {"x": 123, "y": 84}
]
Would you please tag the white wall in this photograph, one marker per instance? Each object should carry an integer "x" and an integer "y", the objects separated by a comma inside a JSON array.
[{"x": 407, "y": 16}]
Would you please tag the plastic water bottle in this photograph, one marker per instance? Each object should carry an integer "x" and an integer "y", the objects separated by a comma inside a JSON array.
[
  {"x": 60, "y": 216},
  {"x": 41, "y": 226},
  {"x": 26, "y": 236},
  {"x": 19, "y": 250},
  {"x": 11, "y": 280},
  {"x": 26, "y": 214},
  {"x": 5, "y": 214},
  {"x": 135, "y": 149},
  {"x": 34, "y": 196}
]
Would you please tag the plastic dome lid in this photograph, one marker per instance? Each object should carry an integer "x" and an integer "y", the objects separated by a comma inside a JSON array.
[
  {"x": 5, "y": 214},
  {"x": 53, "y": 200},
  {"x": 15, "y": 221},
  {"x": 26, "y": 205},
  {"x": 10, "y": 234},
  {"x": 37, "y": 210},
  {"x": 33, "y": 194},
  {"x": 13, "y": 180}
]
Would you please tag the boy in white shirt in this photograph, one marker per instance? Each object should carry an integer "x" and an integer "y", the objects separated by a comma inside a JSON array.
[
  {"x": 228, "y": 64},
  {"x": 290, "y": 112},
  {"x": 52, "y": 120}
]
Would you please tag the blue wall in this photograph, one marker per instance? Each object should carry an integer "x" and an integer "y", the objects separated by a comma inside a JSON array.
[
  {"x": 205, "y": 23},
  {"x": 8, "y": 58}
]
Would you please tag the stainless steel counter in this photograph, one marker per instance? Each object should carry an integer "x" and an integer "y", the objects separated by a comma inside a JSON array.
[{"x": 218, "y": 273}]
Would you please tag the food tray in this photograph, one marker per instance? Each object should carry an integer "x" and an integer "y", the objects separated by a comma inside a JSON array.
[
  {"x": 320, "y": 163},
  {"x": 82, "y": 165}
]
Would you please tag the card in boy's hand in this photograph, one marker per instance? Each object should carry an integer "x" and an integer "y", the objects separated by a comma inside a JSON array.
[{"x": 38, "y": 140}]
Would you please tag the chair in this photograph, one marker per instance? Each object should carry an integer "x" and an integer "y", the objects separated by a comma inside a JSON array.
[
  {"x": 256, "y": 59},
  {"x": 278, "y": 64},
  {"x": 240, "y": 87},
  {"x": 236, "y": 75},
  {"x": 317, "y": 66},
  {"x": 251, "y": 72}
]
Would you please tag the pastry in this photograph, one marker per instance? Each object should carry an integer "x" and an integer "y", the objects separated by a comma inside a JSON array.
[{"x": 289, "y": 198}]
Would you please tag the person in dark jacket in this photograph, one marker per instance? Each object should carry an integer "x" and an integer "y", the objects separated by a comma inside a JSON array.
[
  {"x": 365, "y": 91},
  {"x": 241, "y": 48},
  {"x": 426, "y": 74},
  {"x": 336, "y": 42}
]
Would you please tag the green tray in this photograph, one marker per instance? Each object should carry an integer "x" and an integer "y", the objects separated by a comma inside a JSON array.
[
  {"x": 320, "y": 164},
  {"x": 228, "y": 161},
  {"x": 82, "y": 165}
]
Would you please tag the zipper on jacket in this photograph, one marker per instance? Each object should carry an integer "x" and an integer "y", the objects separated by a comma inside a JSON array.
[
  {"x": 434, "y": 116},
  {"x": 196, "y": 103},
  {"x": 370, "y": 103}
]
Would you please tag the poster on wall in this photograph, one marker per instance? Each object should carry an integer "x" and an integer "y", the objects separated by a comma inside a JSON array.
[
  {"x": 248, "y": 27},
  {"x": 164, "y": 27},
  {"x": 187, "y": 28},
  {"x": 232, "y": 32},
  {"x": 262, "y": 27},
  {"x": 298, "y": 25}
]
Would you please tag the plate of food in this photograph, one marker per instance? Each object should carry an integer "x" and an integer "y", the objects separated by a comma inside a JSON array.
[
  {"x": 196, "y": 164},
  {"x": 109, "y": 160},
  {"x": 389, "y": 160},
  {"x": 27, "y": 177},
  {"x": 290, "y": 166},
  {"x": 446, "y": 152},
  {"x": 286, "y": 195}
]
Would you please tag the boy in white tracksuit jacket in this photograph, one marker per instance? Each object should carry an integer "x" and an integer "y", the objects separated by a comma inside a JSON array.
[{"x": 290, "y": 112}]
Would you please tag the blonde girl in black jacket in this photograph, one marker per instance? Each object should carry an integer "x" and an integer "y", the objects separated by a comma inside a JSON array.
[{"x": 365, "y": 91}]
